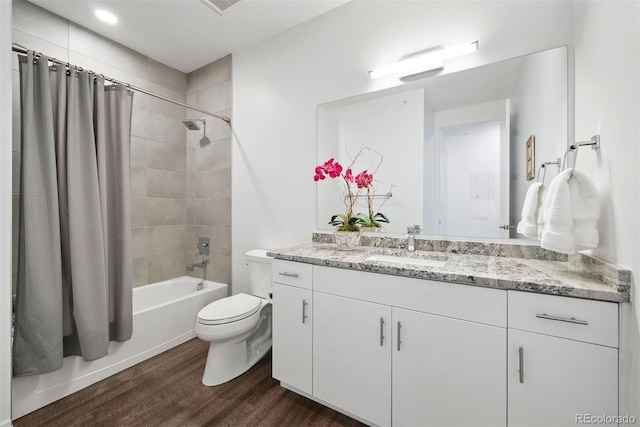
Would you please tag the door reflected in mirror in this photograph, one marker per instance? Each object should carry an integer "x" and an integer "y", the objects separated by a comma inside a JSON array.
[{"x": 454, "y": 145}]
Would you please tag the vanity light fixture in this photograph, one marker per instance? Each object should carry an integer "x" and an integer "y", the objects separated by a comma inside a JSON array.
[
  {"x": 430, "y": 60},
  {"x": 106, "y": 16}
]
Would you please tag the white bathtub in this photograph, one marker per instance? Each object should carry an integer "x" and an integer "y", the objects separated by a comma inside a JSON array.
[{"x": 164, "y": 316}]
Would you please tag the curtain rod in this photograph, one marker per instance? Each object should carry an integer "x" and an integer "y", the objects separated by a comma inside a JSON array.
[{"x": 23, "y": 50}]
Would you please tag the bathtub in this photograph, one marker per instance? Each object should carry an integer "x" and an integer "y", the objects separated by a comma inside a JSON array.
[{"x": 164, "y": 316}]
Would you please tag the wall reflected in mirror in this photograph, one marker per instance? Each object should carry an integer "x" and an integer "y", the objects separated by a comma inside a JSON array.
[{"x": 453, "y": 145}]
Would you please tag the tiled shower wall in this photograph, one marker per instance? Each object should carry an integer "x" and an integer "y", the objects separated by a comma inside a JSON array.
[
  {"x": 170, "y": 207},
  {"x": 209, "y": 169}
]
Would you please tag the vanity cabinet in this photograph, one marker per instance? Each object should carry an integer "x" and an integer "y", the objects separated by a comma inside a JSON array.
[
  {"x": 379, "y": 356},
  {"x": 399, "y": 351},
  {"x": 352, "y": 356},
  {"x": 562, "y": 359},
  {"x": 447, "y": 371},
  {"x": 292, "y": 324}
]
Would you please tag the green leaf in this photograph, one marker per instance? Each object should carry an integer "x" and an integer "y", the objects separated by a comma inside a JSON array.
[
  {"x": 381, "y": 217},
  {"x": 364, "y": 220}
]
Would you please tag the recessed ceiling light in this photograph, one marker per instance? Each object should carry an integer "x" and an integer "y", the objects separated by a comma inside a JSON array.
[{"x": 106, "y": 16}]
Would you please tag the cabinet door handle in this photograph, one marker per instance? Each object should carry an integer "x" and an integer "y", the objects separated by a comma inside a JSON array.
[
  {"x": 562, "y": 319},
  {"x": 381, "y": 331},
  {"x": 399, "y": 326},
  {"x": 304, "y": 310},
  {"x": 521, "y": 359},
  {"x": 286, "y": 273}
]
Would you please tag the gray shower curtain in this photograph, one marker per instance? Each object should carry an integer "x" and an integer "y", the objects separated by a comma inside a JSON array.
[{"x": 74, "y": 262}]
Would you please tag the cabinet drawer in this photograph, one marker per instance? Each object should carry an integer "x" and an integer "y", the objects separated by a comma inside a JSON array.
[
  {"x": 462, "y": 302},
  {"x": 292, "y": 273},
  {"x": 577, "y": 319}
]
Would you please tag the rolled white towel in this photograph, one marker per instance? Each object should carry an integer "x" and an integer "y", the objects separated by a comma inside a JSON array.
[
  {"x": 528, "y": 225},
  {"x": 558, "y": 218}
]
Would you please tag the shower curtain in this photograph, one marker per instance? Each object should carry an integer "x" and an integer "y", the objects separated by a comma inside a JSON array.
[{"x": 74, "y": 262}]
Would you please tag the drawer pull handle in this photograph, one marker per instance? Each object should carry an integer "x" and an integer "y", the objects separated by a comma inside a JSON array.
[
  {"x": 399, "y": 326},
  {"x": 562, "y": 319},
  {"x": 521, "y": 360},
  {"x": 286, "y": 273},
  {"x": 381, "y": 332},
  {"x": 304, "y": 310}
]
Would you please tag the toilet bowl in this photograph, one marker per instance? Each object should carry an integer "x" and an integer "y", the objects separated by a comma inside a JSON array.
[{"x": 238, "y": 327}]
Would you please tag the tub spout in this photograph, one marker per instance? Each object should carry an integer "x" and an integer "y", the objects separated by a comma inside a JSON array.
[{"x": 202, "y": 265}]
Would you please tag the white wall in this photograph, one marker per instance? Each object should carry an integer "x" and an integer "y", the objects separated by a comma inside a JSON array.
[
  {"x": 607, "y": 87},
  {"x": 278, "y": 83},
  {"x": 5, "y": 213}
]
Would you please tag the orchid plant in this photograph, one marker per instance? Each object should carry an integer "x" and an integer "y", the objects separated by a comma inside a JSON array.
[{"x": 362, "y": 182}]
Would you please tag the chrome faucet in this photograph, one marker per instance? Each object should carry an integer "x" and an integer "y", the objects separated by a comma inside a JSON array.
[
  {"x": 412, "y": 230},
  {"x": 203, "y": 266},
  {"x": 411, "y": 239}
]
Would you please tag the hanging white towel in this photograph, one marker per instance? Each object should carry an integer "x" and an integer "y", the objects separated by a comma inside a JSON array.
[
  {"x": 557, "y": 217},
  {"x": 540, "y": 219},
  {"x": 571, "y": 212},
  {"x": 585, "y": 206},
  {"x": 528, "y": 225}
]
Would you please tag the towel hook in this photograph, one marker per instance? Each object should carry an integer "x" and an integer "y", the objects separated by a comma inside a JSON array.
[
  {"x": 544, "y": 167},
  {"x": 594, "y": 142},
  {"x": 544, "y": 173}
]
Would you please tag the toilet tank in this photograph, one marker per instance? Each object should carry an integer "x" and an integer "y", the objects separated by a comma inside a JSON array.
[{"x": 259, "y": 272}]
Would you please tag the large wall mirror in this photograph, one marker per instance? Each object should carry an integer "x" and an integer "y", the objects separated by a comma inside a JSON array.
[{"x": 453, "y": 146}]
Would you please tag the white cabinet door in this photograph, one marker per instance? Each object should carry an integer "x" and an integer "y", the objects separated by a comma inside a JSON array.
[
  {"x": 552, "y": 381},
  {"x": 292, "y": 336},
  {"x": 447, "y": 371},
  {"x": 352, "y": 356}
]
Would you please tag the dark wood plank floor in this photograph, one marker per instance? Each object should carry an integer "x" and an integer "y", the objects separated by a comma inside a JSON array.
[{"x": 167, "y": 391}]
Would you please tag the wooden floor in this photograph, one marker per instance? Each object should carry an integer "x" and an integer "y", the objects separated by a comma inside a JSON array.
[{"x": 167, "y": 391}]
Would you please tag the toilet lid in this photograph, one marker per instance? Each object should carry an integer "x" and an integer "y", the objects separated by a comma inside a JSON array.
[{"x": 230, "y": 309}]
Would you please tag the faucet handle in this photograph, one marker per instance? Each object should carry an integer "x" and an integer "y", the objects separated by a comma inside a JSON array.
[
  {"x": 203, "y": 245},
  {"x": 417, "y": 229}
]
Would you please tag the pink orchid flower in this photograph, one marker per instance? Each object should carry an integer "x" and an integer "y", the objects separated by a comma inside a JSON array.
[
  {"x": 333, "y": 169},
  {"x": 330, "y": 167},
  {"x": 364, "y": 179},
  {"x": 349, "y": 176}
]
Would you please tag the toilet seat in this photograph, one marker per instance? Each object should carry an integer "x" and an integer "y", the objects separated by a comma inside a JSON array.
[{"x": 230, "y": 309}]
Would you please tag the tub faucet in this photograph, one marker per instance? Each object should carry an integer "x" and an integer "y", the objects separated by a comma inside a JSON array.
[{"x": 203, "y": 266}]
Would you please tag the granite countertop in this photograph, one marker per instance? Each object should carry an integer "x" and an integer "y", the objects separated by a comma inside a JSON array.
[{"x": 579, "y": 277}]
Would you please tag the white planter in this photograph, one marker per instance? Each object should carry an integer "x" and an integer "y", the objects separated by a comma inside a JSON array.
[{"x": 347, "y": 240}]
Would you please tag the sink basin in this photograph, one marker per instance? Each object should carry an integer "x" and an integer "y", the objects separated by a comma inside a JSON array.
[{"x": 423, "y": 262}]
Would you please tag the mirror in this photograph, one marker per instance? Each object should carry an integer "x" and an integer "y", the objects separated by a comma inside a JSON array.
[{"x": 454, "y": 146}]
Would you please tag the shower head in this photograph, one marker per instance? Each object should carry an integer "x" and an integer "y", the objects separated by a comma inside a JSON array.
[{"x": 191, "y": 123}]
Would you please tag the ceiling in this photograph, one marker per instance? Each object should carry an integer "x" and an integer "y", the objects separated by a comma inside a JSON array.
[{"x": 188, "y": 34}]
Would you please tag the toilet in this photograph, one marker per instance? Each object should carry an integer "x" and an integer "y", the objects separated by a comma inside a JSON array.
[{"x": 238, "y": 327}]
